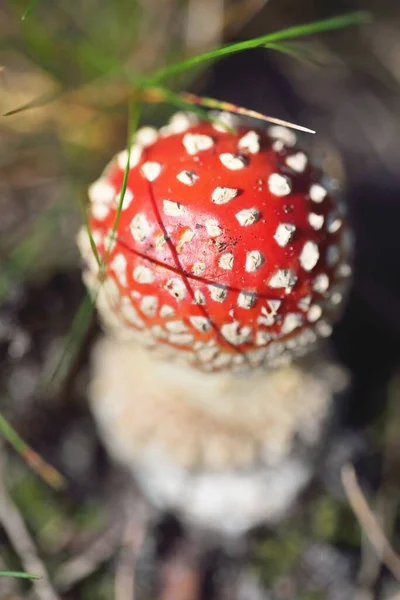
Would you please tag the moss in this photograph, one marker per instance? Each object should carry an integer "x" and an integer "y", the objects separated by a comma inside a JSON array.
[
  {"x": 276, "y": 556},
  {"x": 333, "y": 521},
  {"x": 325, "y": 518},
  {"x": 99, "y": 586}
]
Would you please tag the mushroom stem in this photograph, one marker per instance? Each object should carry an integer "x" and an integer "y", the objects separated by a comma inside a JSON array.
[{"x": 225, "y": 450}]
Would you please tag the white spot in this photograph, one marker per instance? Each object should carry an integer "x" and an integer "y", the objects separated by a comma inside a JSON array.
[
  {"x": 146, "y": 136},
  {"x": 321, "y": 283},
  {"x": 297, "y": 162},
  {"x": 198, "y": 268},
  {"x": 284, "y": 234},
  {"x": 332, "y": 255},
  {"x": 246, "y": 299},
  {"x": 324, "y": 329},
  {"x": 149, "y": 305},
  {"x": 195, "y": 142},
  {"x": 161, "y": 240},
  {"x": 166, "y": 311},
  {"x": 223, "y": 359},
  {"x": 317, "y": 193},
  {"x": 233, "y": 162},
  {"x": 254, "y": 260},
  {"x": 224, "y": 118},
  {"x": 143, "y": 274},
  {"x": 159, "y": 332},
  {"x": 333, "y": 223},
  {"x": 140, "y": 227},
  {"x": 291, "y": 322},
  {"x": 235, "y": 334},
  {"x": 336, "y": 298},
  {"x": 181, "y": 121},
  {"x": 309, "y": 256},
  {"x": 185, "y": 238},
  {"x": 344, "y": 270},
  {"x": 187, "y": 177},
  {"x": 110, "y": 240},
  {"x": 248, "y": 216},
  {"x": 127, "y": 199},
  {"x": 181, "y": 339},
  {"x": 263, "y": 338},
  {"x": 316, "y": 221},
  {"x": 176, "y": 327},
  {"x": 213, "y": 228},
  {"x": 283, "y": 278},
  {"x": 314, "y": 313},
  {"x": 226, "y": 261},
  {"x": 279, "y": 185},
  {"x": 283, "y": 133},
  {"x": 250, "y": 142},
  {"x": 201, "y": 323},
  {"x": 101, "y": 192},
  {"x": 100, "y": 211},
  {"x": 176, "y": 288},
  {"x": 274, "y": 306},
  {"x": 218, "y": 292},
  {"x": 118, "y": 265},
  {"x": 173, "y": 209},
  {"x": 151, "y": 170},
  {"x": 222, "y": 195},
  {"x": 206, "y": 355},
  {"x": 129, "y": 313},
  {"x": 304, "y": 303},
  {"x": 134, "y": 158},
  {"x": 199, "y": 297}
]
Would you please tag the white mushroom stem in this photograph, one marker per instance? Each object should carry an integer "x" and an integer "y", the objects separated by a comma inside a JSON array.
[{"x": 224, "y": 450}]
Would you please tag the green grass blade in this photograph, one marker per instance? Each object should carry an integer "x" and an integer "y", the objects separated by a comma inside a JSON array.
[
  {"x": 36, "y": 462},
  {"x": 334, "y": 23},
  {"x": 72, "y": 344},
  {"x": 29, "y": 9},
  {"x": 133, "y": 121},
  {"x": 83, "y": 317},
  {"x": 19, "y": 575}
]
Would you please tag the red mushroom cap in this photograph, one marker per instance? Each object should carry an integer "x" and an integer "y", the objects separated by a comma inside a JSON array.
[{"x": 229, "y": 248}]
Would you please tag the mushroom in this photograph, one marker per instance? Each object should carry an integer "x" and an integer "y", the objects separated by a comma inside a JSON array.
[{"x": 228, "y": 265}]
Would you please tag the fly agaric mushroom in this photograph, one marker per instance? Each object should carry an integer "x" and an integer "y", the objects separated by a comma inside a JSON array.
[{"x": 229, "y": 254}]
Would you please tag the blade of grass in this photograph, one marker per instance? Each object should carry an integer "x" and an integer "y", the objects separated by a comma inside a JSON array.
[
  {"x": 133, "y": 121},
  {"x": 29, "y": 9},
  {"x": 28, "y": 250},
  {"x": 340, "y": 22},
  {"x": 19, "y": 575},
  {"x": 296, "y": 50},
  {"x": 72, "y": 343},
  {"x": 48, "y": 473},
  {"x": 212, "y": 103},
  {"x": 83, "y": 317}
]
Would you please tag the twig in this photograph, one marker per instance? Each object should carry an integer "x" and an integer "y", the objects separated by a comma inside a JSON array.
[
  {"x": 369, "y": 522},
  {"x": 78, "y": 568},
  {"x": 135, "y": 533},
  {"x": 387, "y": 497},
  {"x": 22, "y": 542},
  {"x": 181, "y": 576}
]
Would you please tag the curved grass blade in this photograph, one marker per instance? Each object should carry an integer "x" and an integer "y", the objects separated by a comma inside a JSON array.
[
  {"x": 19, "y": 575},
  {"x": 83, "y": 317},
  {"x": 72, "y": 344},
  {"x": 48, "y": 473},
  {"x": 220, "y": 105},
  {"x": 340, "y": 22},
  {"x": 29, "y": 9}
]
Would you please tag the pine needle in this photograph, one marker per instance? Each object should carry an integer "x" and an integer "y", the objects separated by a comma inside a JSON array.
[{"x": 50, "y": 475}]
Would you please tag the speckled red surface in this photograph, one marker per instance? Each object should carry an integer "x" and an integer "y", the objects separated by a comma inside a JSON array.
[{"x": 181, "y": 246}]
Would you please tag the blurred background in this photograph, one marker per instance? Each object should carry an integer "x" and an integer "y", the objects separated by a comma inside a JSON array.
[{"x": 67, "y": 64}]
